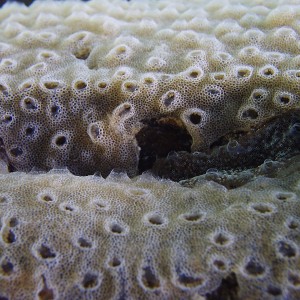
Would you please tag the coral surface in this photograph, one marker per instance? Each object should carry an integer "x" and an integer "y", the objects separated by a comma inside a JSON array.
[
  {"x": 79, "y": 81},
  {"x": 202, "y": 89},
  {"x": 71, "y": 237}
]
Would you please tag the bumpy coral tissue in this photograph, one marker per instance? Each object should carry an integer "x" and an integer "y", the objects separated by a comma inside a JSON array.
[{"x": 113, "y": 85}]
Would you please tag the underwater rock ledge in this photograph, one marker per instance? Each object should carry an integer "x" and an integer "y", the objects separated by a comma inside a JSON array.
[{"x": 275, "y": 140}]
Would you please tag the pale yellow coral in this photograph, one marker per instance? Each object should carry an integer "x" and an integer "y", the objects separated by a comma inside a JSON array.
[
  {"x": 76, "y": 82},
  {"x": 92, "y": 238},
  {"x": 106, "y": 67}
]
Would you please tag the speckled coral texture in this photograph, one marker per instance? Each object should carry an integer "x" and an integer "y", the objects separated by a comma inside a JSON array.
[{"x": 78, "y": 82}]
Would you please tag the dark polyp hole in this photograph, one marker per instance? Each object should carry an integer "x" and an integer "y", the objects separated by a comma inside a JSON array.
[
  {"x": 262, "y": 208},
  {"x": 45, "y": 252},
  {"x": 29, "y": 131},
  {"x": 254, "y": 268},
  {"x": 45, "y": 293},
  {"x": 169, "y": 99},
  {"x": 90, "y": 281},
  {"x": 115, "y": 262},
  {"x": 156, "y": 220},
  {"x": 130, "y": 87},
  {"x": 69, "y": 208},
  {"x": 121, "y": 50},
  {"x": 221, "y": 239},
  {"x": 54, "y": 110},
  {"x": 46, "y": 55},
  {"x": 194, "y": 74},
  {"x": 274, "y": 291},
  {"x": 213, "y": 91},
  {"x": 243, "y": 73},
  {"x": 250, "y": 114},
  {"x": 2, "y": 88},
  {"x": 102, "y": 85},
  {"x": 257, "y": 95},
  {"x": 9, "y": 237},
  {"x": 116, "y": 228},
  {"x": 195, "y": 118},
  {"x": 7, "y": 119},
  {"x": 100, "y": 205},
  {"x": 283, "y": 196},
  {"x": 82, "y": 53},
  {"x": 219, "y": 76},
  {"x": 13, "y": 222},
  {"x": 95, "y": 131},
  {"x": 3, "y": 199},
  {"x": 148, "y": 80},
  {"x": 51, "y": 85},
  {"x": 80, "y": 85},
  {"x": 17, "y": 151},
  {"x": 84, "y": 243},
  {"x": 7, "y": 268},
  {"x": 121, "y": 73},
  {"x": 125, "y": 110},
  {"x": 297, "y": 74},
  {"x": 219, "y": 264},
  {"x": 192, "y": 217},
  {"x": 268, "y": 72},
  {"x": 29, "y": 104},
  {"x": 149, "y": 279},
  {"x": 286, "y": 249},
  {"x": 26, "y": 86},
  {"x": 47, "y": 198},
  {"x": 292, "y": 224},
  {"x": 190, "y": 281},
  {"x": 294, "y": 279},
  {"x": 61, "y": 141},
  {"x": 284, "y": 99}
]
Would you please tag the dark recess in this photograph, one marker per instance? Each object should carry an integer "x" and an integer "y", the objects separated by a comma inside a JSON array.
[
  {"x": 160, "y": 137},
  {"x": 277, "y": 139}
]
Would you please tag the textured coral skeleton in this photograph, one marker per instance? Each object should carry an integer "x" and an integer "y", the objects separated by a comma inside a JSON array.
[{"x": 182, "y": 89}]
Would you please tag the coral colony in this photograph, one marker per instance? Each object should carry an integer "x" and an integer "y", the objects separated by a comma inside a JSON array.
[{"x": 150, "y": 150}]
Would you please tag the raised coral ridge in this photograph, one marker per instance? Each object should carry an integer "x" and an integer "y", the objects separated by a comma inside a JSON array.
[
  {"x": 74, "y": 237},
  {"x": 79, "y": 81},
  {"x": 202, "y": 89}
]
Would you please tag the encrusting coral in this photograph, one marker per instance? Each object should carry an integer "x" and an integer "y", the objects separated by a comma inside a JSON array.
[
  {"x": 203, "y": 89},
  {"x": 71, "y": 237},
  {"x": 79, "y": 81}
]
